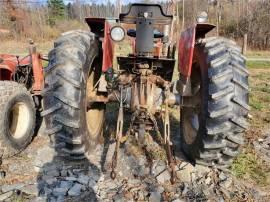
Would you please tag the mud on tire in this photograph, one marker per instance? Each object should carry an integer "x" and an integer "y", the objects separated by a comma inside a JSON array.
[
  {"x": 17, "y": 118},
  {"x": 74, "y": 67},
  {"x": 212, "y": 132}
]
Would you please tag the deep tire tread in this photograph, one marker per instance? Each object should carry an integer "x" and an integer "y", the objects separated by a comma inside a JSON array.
[
  {"x": 64, "y": 83},
  {"x": 227, "y": 104},
  {"x": 234, "y": 60}
]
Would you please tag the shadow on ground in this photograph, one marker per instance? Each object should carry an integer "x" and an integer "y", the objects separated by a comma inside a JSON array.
[
  {"x": 61, "y": 179},
  {"x": 38, "y": 175}
]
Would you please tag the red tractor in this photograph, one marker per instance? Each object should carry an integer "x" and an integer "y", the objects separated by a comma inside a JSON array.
[
  {"x": 212, "y": 89},
  {"x": 21, "y": 82}
]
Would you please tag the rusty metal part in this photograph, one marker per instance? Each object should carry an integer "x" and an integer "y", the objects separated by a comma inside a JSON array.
[
  {"x": 145, "y": 91},
  {"x": 119, "y": 134},
  {"x": 158, "y": 80},
  {"x": 153, "y": 102},
  {"x": 158, "y": 48},
  {"x": 167, "y": 140},
  {"x": 163, "y": 67},
  {"x": 37, "y": 72}
]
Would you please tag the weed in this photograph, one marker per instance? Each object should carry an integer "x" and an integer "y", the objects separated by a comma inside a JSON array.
[
  {"x": 256, "y": 105},
  {"x": 248, "y": 166},
  {"x": 258, "y": 64}
]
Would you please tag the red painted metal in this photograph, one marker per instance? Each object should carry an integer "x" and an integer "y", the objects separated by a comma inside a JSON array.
[
  {"x": 186, "y": 46},
  {"x": 101, "y": 28},
  {"x": 186, "y": 49},
  {"x": 107, "y": 47},
  {"x": 8, "y": 64},
  {"x": 37, "y": 72}
]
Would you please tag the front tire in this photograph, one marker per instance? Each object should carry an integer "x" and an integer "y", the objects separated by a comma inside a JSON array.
[
  {"x": 74, "y": 68},
  {"x": 17, "y": 118},
  {"x": 212, "y": 131}
]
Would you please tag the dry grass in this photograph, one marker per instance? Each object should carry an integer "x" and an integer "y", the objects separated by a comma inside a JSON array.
[
  {"x": 258, "y": 54},
  {"x": 21, "y": 47}
]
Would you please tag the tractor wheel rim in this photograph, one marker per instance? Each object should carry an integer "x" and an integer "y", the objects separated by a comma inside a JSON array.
[
  {"x": 191, "y": 125},
  {"x": 191, "y": 119},
  {"x": 19, "y": 119},
  {"x": 94, "y": 116},
  {"x": 94, "y": 120}
]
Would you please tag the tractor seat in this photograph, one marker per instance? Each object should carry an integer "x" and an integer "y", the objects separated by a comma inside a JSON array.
[{"x": 157, "y": 34}]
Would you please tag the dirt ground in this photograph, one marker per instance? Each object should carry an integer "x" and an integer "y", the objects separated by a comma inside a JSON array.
[{"x": 37, "y": 175}]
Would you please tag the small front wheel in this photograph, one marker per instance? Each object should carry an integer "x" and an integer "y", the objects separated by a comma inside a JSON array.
[{"x": 17, "y": 118}]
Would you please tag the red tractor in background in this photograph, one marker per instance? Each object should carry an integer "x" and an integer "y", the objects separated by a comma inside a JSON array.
[
  {"x": 21, "y": 83},
  {"x": 212, "y": 89}
]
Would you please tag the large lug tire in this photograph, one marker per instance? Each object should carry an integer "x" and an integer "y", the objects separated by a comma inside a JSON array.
[
  {"x": 74, "y": 68},
  {"x": 17, "y": 118},
  {"x": 212, "y": 132}
]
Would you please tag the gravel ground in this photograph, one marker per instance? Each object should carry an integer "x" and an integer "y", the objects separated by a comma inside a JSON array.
[{"x": 38, "y": 175}]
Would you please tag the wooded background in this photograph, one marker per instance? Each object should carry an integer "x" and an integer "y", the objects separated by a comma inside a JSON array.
[{"x": 45, "y": 20}]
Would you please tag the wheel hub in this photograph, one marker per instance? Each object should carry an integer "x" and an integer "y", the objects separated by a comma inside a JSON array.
[
  {"x": 19, "y": 118},
  {"x": 191, "y": 125},
  {"x": 94, "y": 113}
]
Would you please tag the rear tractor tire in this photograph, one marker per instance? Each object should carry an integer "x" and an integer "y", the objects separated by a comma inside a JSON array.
[
  {"x": 17, "y": 118},
  {"x": 74, "y": 68},
  {"x": 212, "y": 131}
]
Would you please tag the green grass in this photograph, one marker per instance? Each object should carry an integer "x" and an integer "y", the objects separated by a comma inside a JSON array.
[
  {"x": 249, "y": 166},
  {"x": 256, "y": 105},
  {"x": 260, "y": 91},
  {"x": 45, "y": 63},
  {"x": 258, "y": 64},
  {"x": 259, "y": 98}
]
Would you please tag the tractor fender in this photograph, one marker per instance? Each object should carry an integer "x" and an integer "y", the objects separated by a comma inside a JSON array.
[
  {"x": 185, "y": 55},
  {"x": 101, "y": 28},
  {"x": 9, "y": 63}
]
